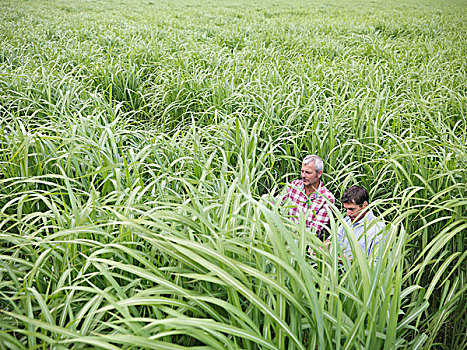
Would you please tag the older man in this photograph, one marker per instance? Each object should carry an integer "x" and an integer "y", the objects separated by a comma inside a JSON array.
[
  {"x": 368, "y": 230},
  {"x": 307, "y": 195}
]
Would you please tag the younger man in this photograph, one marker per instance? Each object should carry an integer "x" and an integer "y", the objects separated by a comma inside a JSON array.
[{"x": 365, "y": 226}]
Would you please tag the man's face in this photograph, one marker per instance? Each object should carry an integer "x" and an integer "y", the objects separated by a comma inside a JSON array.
[
  {"x": 354, "y": 211},
  {"x": 309, "y": 174}
]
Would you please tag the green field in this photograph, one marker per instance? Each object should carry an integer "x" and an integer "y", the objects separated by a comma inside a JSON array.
[{"x": 142, "y": 144}]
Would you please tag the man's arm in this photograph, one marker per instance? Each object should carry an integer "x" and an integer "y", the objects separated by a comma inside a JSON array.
[
  {"x": 321, "y": 218},
  {"x": 375, "y": 234}
]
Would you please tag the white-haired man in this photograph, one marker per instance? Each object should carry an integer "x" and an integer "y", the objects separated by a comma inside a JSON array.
[{"x": 307, "y": 196}]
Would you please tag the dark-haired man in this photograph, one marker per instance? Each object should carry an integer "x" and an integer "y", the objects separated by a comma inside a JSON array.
[
  {"x": 368, "y": 230},
  {"x": 307, "y": 195}
]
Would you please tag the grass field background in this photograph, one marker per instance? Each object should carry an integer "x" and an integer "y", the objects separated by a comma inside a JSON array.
[{"x": 142, "y": 145}]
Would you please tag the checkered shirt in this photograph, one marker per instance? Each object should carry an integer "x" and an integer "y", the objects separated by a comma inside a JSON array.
[{"x": 314, "y": 206}]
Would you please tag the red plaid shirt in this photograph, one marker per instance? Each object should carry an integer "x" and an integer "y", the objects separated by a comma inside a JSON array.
[{"x": 315, "y": 205}]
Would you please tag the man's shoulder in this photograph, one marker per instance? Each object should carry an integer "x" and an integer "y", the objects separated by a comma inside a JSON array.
[
  {"x": 328, "y": 194},
  {"x": 376, "y": 224},
  {"x": 376, "y": 220},
  {"x": 295, "y": 185},
  {"x": 380, "y": 225},
  {"x": 294, "y": 188},
  {"x": 296, "y": 182}
]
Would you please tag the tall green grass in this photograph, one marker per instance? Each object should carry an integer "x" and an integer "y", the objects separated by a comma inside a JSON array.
[{"x": 143, "y": 144}]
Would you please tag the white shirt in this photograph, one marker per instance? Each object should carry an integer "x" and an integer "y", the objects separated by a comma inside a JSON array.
[{"x": 367, "y": 231}]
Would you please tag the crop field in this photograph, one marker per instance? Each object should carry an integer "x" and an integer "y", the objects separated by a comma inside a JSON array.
[{"x": 144, "y": 144}]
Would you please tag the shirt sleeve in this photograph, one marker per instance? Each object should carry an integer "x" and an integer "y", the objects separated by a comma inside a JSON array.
[
  {"x": 291, "y": 192},
  {"x": 281, "y": 198},
  {"x": 375, "y": 236}
]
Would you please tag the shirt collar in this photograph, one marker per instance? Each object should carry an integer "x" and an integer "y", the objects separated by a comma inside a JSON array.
[
  {"x": 368, "y": 217},
  {"x": 313, "y": 195}
]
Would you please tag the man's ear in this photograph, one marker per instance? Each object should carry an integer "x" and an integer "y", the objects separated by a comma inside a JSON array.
[{"x": 365, "y": 204}]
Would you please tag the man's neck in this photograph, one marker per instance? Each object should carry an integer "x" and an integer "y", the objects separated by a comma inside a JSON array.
[{"x": 311, "y": 189}]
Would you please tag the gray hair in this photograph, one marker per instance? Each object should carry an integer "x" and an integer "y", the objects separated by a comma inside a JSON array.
[{"x": 318, "y": 162}]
